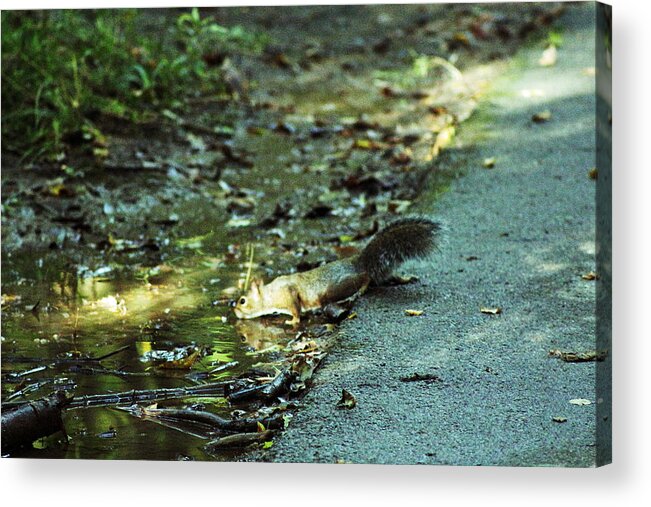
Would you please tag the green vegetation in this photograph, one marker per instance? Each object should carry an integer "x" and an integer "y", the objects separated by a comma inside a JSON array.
[{"x": 61, "y": 68}]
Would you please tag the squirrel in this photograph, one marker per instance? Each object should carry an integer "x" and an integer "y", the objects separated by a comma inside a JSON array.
[{"x": 403, "y": 239}]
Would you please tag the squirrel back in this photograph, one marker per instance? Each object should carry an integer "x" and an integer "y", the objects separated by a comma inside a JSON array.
[{"x": 404, "y": 239}]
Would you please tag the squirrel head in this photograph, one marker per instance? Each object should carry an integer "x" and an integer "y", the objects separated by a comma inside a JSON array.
[{"x": 249, "y": 305}]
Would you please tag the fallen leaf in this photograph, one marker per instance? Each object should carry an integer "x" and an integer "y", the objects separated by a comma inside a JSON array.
[
  {"x": 580, "y": 401},
  {"x": 559, "y": 419},
  {"x": 548, "y": 57},
  {"x": 542, "y": 116},
  {"x": 179, "y": 358},
  {"x": 101, "y": 152},
  {"x": 413, "y": 313},
  {"x": 593, "y": 173},
  {"x": 590, "y": 276},
  {"x": 397, "y": 206},
  {"x": 278, "y": 58},
  {"x": 421, "y": 377},
  {"x": 579, "y": 357},
  {"x": 58, "y": 189},
  {"x": 238, "y": 222},
  {"x": 10, "y": 298},
  {"x": 489, "y": 163},
  {"x": 284, "y": 128},
  {"x": 443, "y": 140},
  {"x": 366, "y": 144},
  {"x": 347, "y": 400},
  {"x": 491, "y": 311}
]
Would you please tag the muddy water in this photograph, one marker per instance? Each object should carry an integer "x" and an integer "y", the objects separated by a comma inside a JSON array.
[{"x": 82, "y": 317}]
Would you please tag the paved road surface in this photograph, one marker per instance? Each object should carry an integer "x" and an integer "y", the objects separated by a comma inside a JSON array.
[{"x": 520, "y": 237}]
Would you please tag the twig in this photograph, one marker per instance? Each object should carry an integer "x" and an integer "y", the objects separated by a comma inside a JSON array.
[
  {"x": 136, "y": 396},
  {"x": 247, "y": 280},
  {"x": 267, "y": 391},
  {"x": 238, "y": 440},
  {"x": 208, "y": 418}
]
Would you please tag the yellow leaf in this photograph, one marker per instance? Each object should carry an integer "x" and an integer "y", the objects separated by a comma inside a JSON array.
[
  {"x": 443, "y": 140},
  {"x": 489, "y": 163},
  {"x": 100, "y": 152},
  {"x": 413, "y": 313},
  {"x": 590, "y": 276},
  {"x": 364, "y": 144},
  {"x": 580, "y": 401}
]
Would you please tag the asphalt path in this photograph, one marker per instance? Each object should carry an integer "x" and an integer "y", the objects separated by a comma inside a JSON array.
[{"x": 520, "y": 237}]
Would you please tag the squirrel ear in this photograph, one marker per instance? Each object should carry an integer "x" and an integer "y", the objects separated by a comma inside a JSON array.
[{"x": 255, "y": 286}]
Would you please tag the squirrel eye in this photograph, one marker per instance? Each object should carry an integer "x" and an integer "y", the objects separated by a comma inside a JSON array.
[{"x": 242, "y": 301}]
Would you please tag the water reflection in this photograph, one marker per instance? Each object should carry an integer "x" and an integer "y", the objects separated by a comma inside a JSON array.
[{"x": 89, "y": 335}]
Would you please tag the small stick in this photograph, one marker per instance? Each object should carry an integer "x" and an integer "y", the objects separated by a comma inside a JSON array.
[
  {"x": 238, "y": 440},
  {"x": 247, "y": 280}
]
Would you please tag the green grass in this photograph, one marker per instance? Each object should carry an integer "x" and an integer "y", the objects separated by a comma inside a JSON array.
[{"x": 62, "y": 67}]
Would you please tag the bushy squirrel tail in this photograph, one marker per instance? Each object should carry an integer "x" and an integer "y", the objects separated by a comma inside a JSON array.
[{"x": 404, "y": 239}]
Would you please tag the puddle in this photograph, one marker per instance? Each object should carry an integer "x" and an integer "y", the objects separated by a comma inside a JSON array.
[{"x": 77, "y": 318}]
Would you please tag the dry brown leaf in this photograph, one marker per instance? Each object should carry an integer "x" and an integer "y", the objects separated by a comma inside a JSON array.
[
  {"x": 542, "y": 116},
  {"x": 347, "y": 400},
  {"x": 593, "y": 173},
  {"x": 590, "y": 276},
  {"x": 579, "y": 357},
  {"x": 559, "y": 419}
]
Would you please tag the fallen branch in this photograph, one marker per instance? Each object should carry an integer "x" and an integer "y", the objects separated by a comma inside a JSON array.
[
  {"x": 30, "y": 388},
  {"x": 207, "y": 418},
  {"x": 267, "y": 391},
  {"x": 238, "y": 440},
  {"x": 30, "y": 421},
  {"x": 149, "y": 395}
]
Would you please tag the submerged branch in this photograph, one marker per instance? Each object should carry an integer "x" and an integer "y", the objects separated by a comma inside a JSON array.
[
  {"x": 149, "y": 395},
  {"x": 207, "y": 418},
  {"x": 30, "y": 421},
  {"x": 267, "y": 391},
  {"x": 238, "y": 440}
]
